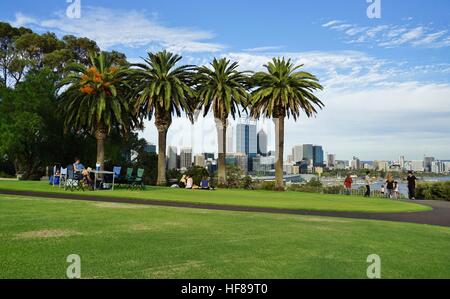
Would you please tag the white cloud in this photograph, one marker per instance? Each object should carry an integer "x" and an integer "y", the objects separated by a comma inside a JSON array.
[
  {"x": 132, "y": 28},
  {"x": 390, "y": 36}
]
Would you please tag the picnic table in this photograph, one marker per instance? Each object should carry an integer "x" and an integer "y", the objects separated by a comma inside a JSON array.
[{"x": 97, "y": 172}]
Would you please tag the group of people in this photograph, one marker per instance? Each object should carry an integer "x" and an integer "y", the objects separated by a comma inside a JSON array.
[
  {"x": 187, "y": 182},
  {"x": 390, "y": 188}
]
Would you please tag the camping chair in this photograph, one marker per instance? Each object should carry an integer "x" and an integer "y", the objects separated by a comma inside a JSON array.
[
  {"x": 117, "y": 170},
  {"x": 128, "y": 179},
  {"x": 74, "y": 181},
  {"x": 138, "y": 181},
  {"x": 62, "y": 176}
]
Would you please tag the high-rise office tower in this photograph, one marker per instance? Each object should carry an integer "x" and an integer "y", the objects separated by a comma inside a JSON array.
[
  {"x": 246, "y": 140},
  {"x": 331, "y": 160},
  {"x": 199, "y": 160},
  {"x": 186, "y": 157},
  {"x": 317, "y": 156},
  {"x": 262, "y": 143},
  {"x": 308, "y": 152},
  {"x": 230, "y": 139},
  {"x": 172, "y": 157},
  {"x": 297, "y": 153}
]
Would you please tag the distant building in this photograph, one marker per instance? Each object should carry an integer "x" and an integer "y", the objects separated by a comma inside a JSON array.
[
  {"x": 246, "y": 140},
  {"x": 199, "y": 160},
  {"x": 317, "y": 156},
  {"x": 172, "y": 157},
  {"x": 263, "y": 165},
  {"x": 341, "y": 164},
  {"x": 415, "y": 165},
  {"x": 297, "y": 153},
  {"x": 355, "y": 164},
  {"x": 150, "y": 148},
  {"x": 437, "y": 167},
  {"x": 331, "y": 160},
  {"x": 230, "y": 139},
  {"x": 308, "y": 153},
  {"x": 381, "y": 165},
  {"x": 262, "y": 143},
  {"x": 427, "y": 163},
  {"x": 186, "y": 158},
  {"x": 208, "y": 156}
]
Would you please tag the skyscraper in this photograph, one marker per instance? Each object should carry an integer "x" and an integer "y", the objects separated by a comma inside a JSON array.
[
  {"x": 172, "y": 157},
  {"x": 230, "y": 139},
  {"x": 262, "y": 143},
  {"x": 186, "y": 157},
  {"x": 317, "y": 156},
  {"x": 308, "y": 152},
  {"x": 246, "y": 140},
  {"x": 297, "y": 153},
  {"x": 199, "y": 160},
  {"x": 331, "y": 160}
]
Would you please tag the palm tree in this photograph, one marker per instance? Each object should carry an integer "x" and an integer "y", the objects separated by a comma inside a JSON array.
[
  {"x": 221, "y": 89},
  {"x": 94, "y": 99},
  {"x": 162, "y": 89},
  {"x": 280, "y": 92}
]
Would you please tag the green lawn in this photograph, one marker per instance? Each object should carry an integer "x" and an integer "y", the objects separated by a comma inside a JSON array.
[
  {"x": 282, "y": 200},
  {"x": 134, "y": 241}
]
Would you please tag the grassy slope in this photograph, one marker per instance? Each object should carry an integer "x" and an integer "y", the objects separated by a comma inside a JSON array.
[
  {"x": 285, "y": 200},
  {"x": 129, "y": 241}
]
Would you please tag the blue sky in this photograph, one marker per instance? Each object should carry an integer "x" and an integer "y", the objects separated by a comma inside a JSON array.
[{"x": 387, "y": 80}]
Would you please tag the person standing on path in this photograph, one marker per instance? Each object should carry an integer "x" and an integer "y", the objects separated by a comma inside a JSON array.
[
  {"x": 348, "y": 184},
  {"x": 368, "y": 181},
  {"x": 411, "y": 185},
  {"x": 389, "y": 185}
]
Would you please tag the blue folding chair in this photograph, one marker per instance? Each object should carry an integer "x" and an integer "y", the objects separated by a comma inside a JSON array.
[{"x": 117, "y": 170}]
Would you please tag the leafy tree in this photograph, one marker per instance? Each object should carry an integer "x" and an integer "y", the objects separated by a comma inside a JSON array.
[
  {"x": 282, "y": 91},
  {"x": 28, "y": 122},
  {"x": 162, "y": 89},
  {"x": 221, "y": 89},
  {"x": 95, "y": 100}
]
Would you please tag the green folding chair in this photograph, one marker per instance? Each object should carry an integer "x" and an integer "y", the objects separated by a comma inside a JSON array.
[{"x": 138, "y": 181}]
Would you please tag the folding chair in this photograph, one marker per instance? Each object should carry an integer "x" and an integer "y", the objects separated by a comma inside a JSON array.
[
  {"x": 117, "y": 170},
  {"x": 74, "y": 181},
  {"x": 138, "y": 181},
  {"x": 62, "y": 176}
]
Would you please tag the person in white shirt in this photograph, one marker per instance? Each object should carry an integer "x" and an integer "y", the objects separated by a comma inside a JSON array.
[{"x": 189, "y": 182}]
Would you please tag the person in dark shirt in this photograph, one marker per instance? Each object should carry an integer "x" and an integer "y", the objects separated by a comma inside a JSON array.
[{"x": 411, "y": 185}]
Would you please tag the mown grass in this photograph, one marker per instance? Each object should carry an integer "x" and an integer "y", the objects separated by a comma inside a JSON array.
[
  {"x": 250, "y": 198},
  {"x": 134, "y": 241}
]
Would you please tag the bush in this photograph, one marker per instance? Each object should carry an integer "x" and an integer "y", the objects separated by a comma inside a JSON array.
[
  {"x": 433, "y": 191},
  {"x": 266, "y": 185}
]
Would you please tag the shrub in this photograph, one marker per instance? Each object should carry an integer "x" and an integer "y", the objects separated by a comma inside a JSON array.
[
  {"x": 266, "y": 185},
  {"x": 433, "y": 191}
]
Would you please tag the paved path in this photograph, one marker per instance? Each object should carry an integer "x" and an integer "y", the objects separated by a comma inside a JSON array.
[{"x": 440, "y": 215}]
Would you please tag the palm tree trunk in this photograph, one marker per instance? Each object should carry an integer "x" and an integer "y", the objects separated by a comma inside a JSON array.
[
  {"x": 100, "y": 136},
  {"x": 162, "y": 122},
  {"x": 279, "y": 141},
  {"x": 221, "y": 125}
]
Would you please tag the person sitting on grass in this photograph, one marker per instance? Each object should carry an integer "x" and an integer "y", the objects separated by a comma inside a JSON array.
[
  {"x": 189, "y": 182},
  {"x": 204, "y": 184}
]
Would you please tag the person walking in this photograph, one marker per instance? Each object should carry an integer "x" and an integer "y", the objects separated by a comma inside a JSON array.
[
  {"x": 396, "y": 190},
  {"x": 368, "y": 181},
  {"x": 389, "y": 185},
  {"x": 348, "y": 184},
  {"x": 411, "y": 185}
]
